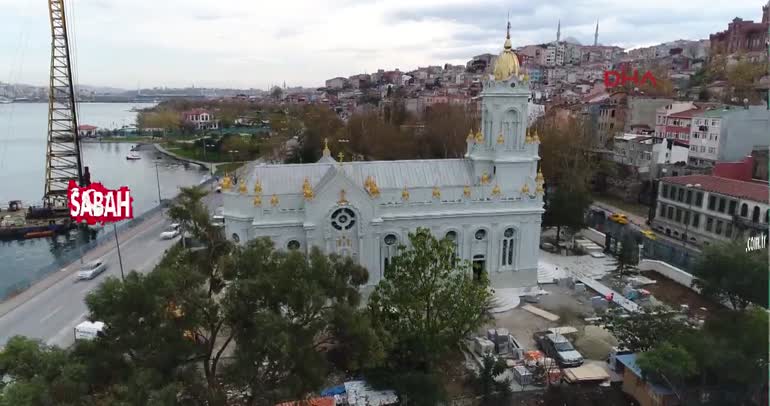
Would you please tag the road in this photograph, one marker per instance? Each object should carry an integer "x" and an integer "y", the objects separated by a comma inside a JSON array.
[{"x": 51, "y": 313}]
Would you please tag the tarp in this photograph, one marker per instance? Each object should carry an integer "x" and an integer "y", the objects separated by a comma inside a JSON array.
[
  {"x": 337, "y": 390},
  {"x": 326, "y": 401}
]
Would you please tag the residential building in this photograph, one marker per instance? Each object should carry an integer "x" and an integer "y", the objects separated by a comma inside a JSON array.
[
  {"x": 336, "y": 83},
  {"x": 646, "y": 152},
  {"x": 728, "y": 133},
  {"x": 645, "y": 392},
  {"x": 612, "y": 117},
  {"x": 673, "y": 121},
  {"x": 703, "y": 209},
  {"x": 200, "y": 119},
  {"x": 490, "y": 203},
  {"x": 642, "y": 111},
  {"x": 359, "y": 81}
]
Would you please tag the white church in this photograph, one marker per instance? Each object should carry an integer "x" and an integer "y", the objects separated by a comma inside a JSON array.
[{"x": 490, "y": 203}]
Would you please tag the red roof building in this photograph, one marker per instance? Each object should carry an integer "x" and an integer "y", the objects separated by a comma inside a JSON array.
[{"x": 754, "y": 191}]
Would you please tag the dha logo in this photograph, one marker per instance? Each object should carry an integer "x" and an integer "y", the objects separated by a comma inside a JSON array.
[
  {"x": 95, "y": 203},
  {"x": 756, "y": 243},
  {"x": 620, "y": 78}
]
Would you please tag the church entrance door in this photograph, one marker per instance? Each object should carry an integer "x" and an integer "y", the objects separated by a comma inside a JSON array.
[{"x": 479, "y": 266}]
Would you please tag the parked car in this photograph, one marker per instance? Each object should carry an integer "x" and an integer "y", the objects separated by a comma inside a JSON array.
[
  {"x": 559, "y": 348},
  {"x": 170, "y": 232},
  {"x": 649, "y": 234},
  {"x": 619, "y": 218},
  {"x": 91, "y": 270}
]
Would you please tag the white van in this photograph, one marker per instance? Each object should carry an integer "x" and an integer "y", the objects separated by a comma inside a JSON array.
[{"x": 89, "y": 330}]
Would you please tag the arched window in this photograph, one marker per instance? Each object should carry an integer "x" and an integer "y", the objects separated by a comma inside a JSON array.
[
  {"x": 452, "y": 236},
  {"x": 508, "y": 247},
  {"x": 755, "y": 215},
  {"x": 293, "y": 245},
  {"x": 744, "y": 210},
  {"x": 236, "y": 238},
  {"x": 767, "y": 216},
  {"x": 389, "y": 250},
  {"x": 481, "y": 234}
]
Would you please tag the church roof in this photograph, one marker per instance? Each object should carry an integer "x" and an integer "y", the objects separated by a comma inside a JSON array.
[{"x": 288, "y": 178}]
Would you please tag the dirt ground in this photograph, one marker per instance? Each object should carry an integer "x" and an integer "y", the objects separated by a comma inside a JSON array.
[
  {"x": 571, "y": 307},
  {"x": 674, "y": 294}
]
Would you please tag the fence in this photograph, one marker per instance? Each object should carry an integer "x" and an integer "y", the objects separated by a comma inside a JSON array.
[
  {"x": 675, "y": 274},
  {"x": 71, "y": 256}
]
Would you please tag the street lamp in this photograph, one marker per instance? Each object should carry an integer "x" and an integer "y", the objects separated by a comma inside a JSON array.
[
  {"x": 689, "y": 188},
  {"x": 157, "y": 179},
  {"x": 120, "y": 259}
]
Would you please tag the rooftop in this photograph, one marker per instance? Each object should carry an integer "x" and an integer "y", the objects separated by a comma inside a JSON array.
[
  {"x": 755, "y": 191},
  {"x": 629, "y": 361}
]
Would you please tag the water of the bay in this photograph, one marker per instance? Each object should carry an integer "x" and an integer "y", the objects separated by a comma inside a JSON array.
[{"x": 23, "y": 132}]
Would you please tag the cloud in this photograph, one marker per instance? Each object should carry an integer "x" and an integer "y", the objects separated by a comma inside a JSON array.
[{"x": 250, "y": 43}]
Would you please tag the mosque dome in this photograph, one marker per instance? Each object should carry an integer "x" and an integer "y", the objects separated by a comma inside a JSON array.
[{"x": 507, "y": 63}]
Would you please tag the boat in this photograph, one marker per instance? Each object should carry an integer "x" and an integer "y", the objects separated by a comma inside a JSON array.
[
  {"x": 17, "y": 222},
  {"x": 132, "y": 156},
  {"x": 39, "y": 234}
]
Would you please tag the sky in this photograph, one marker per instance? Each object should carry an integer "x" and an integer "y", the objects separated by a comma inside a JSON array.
[{"x": 258, "y": 43}]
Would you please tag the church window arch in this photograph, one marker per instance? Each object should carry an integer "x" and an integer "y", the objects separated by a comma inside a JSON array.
[
  {"x": 389, "y": 248},
  {"x": 508, "y": 248},
  {"x": 293, "y": 245},
  {"x": 343, "y": 219},
  {"x": 236, "y": 238},
  {"x": 480, "y": 234}
]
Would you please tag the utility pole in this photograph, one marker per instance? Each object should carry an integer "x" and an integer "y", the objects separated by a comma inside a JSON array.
[
  {"x": 157, "y": 179},
  {"x": 120, "y": 259}
]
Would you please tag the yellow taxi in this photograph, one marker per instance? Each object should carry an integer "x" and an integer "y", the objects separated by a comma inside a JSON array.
[
  {"x": 619, "y": 218},
  {"x": 649, "y": 234}
]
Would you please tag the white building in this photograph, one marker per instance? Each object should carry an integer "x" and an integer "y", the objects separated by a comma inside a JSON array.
[
  {"x": 336, "y": 83},
  {"x": 200, "y": 119},
  {"x": 490, "y": 202}
]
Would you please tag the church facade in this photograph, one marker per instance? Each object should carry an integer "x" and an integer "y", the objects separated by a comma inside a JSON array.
[{"x": 490, "y": 203}]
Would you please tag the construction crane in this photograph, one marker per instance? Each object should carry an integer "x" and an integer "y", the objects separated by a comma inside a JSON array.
[{"x": 63, "y": 157}]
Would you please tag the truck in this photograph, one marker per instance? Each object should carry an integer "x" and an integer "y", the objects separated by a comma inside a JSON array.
[{"x": 88, "y": 330}]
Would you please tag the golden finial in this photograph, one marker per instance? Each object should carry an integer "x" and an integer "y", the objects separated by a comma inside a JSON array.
[
  {"x": 242, "y": 187},
  {"x": 540, "y": 178},
  {"x": 540, "y": 189},
  {"x": 528, "y": 139},
  {"x": 525, "y": 189},
  {"x": 326, "y": 147},
  {"x": 467, "y": 191},
  {"x": 535, "y": 137},
  {"x": 342, "y": 200},
  {"x": 258, "y": 187},
  {"x": 479, "y": 137},
  {"x": 500, "y": 139},
  {"x": 404, "y": 194},
  {"x": 436, "y": 192},
  {"x": 340, "y": 157},
  {"x": 470, "y": 137},
  {"x": 496, "y": 190},
  {"x": 484, "y": 178},
  {"x": 307, "y": 190},
  {"x": 526, "y": 77},
  {"x": 226, "y": 182},
  {"x": 274, "y": 200},
  {"x": 371, "y": 186},
  {"x": 257, "y": 200}
]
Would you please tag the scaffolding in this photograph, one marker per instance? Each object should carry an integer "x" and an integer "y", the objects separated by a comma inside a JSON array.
[{"x": 63, "y": 158}]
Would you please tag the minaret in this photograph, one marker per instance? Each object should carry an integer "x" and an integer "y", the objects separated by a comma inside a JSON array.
[
  {"x": 596, "y": 34},
  {"x": 558, "y": 31}
]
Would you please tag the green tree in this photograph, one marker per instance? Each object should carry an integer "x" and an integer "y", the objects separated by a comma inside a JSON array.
[
  {"x": 427, "y": 302},
  {"x": 492, "y": 389},
  {"x": 666, "y": 363},
  {"x": 645, "y": 329},
  {"x": 628, "y": 257},
  {"x": 729, "y": 274},
  {"x": 566, "y": 207}
]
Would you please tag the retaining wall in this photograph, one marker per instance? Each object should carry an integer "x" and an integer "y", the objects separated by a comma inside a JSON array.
[{"x": 675, "y": 274}]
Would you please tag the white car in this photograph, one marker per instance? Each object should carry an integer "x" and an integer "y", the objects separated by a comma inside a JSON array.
[
  {"x": 91, "y": 270},
  {"x": 170, "y": 232}
]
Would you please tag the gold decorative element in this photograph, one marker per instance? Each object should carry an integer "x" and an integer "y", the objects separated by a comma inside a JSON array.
[
  {"x": 525, "y": 189},
  {"x": 535, "y": 137},
  {"x": 340, "y": 157},
  {"x": 470, "y": 137},
  {"x": 307, "y": 190},
  {"x": 226, "y": 182},
  {"x": 479, "y": 137},
  {"x": 540, "y": 178},
  {"x": 500, "y": 139},
  {"x": 436, "y": 192},
  {"x": 496, "y": 190},
  {"x": 257, "y": 200},
  {"x": 467, "y": 191},
  {"x": 404, "y": 194},
  {"x": 507, "y": 63},
  {"x": 242, "y": 187},
  {"x": 526, "y": 77},
  {"x": 371, "y": 186},
  {"x": 274, "y": 200},
  {"x": 258, "y": 187},
  {"x": 342, "y": 200},
  {"x": 326, "y": 150},
  {"x": 485, "y": 178},
  {"x": 540, "y": 189},
  {"x": 528, "y": 139}
]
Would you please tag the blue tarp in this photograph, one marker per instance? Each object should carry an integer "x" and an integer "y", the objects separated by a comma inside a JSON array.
[{"x": 337, "y": 390}]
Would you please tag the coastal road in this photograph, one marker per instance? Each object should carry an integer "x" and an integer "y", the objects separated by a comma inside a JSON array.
[{"x": 51, "y": 309}]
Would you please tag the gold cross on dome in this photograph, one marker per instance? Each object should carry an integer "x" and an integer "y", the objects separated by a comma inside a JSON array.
[{"x": 340, "y": 156}]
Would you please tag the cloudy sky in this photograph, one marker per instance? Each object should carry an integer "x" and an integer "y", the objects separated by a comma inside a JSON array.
[{"x": 255, "y": 43}]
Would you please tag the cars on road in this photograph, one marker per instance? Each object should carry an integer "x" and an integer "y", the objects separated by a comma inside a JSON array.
[
  {"x": 559, "y": 348},
  {"x": 91, "y": 270},
  {"x": 619, "y": 218},
  {"x": 170, "y": 232}
]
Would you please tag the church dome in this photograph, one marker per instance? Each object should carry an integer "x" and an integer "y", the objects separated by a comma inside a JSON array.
[{"x": 507, "y": 63}]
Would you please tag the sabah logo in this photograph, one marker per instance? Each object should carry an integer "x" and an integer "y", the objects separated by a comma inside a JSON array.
[{"x": 96, "y": 204}]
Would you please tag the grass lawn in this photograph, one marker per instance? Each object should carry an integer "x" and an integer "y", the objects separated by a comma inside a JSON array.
[{"x": 633, "y": 208}]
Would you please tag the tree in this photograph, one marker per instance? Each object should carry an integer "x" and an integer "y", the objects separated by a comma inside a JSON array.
[
  {"x": 667, "y": 362},
  {"x": 427, "y": 302},
  {"x": 742, "y": 78},
  {"x": 727, "y": 273},
  {"x": 488, "y": 384},
  {"x": 628, "y": 257},
  {"x": 276, "y": 93},
  {"x": 566, "y": 208},
  {"x": 643, "y": 330}
]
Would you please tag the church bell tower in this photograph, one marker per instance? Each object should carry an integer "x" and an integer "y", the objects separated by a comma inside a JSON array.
[{"x": 503, "y": 149}]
